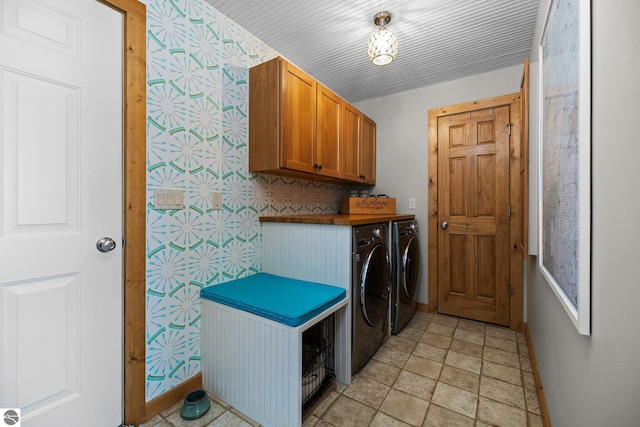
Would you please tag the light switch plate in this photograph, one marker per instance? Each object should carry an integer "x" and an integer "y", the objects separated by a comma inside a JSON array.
[
  {"x": 168, "y": 198},
  {"x": 216, "y": 200},
  {"x": 412, "y": 203}
]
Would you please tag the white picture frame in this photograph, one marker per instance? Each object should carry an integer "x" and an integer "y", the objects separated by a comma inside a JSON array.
[{"x": 564, "y": 220}]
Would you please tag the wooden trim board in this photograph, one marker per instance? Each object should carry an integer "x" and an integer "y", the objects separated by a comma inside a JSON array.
[
  {"x": 173, "y": 396},
  {"x": 544, "y": 412},
  {"x": 515, "y": 227},
  {"x": 134, "y": 161}
]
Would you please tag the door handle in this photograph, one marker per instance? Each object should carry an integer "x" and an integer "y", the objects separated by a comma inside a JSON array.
[
  {"x": 444, "y": 225},
  {"x": 106, "y": 244}
]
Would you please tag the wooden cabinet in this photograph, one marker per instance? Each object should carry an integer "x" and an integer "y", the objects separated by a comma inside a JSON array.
[
  {"x": 368, "y": 151},
  {"x": 359, "y": 146},
  {"x": 297, "y": 127}
]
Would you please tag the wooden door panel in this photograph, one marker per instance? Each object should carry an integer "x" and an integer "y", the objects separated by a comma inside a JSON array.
[
  {"x": 328, "y": 133},
  {"x": 473, "y": 182},
  {"x": 298, "y": 119}
]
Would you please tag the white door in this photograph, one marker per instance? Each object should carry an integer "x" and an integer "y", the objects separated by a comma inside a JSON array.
[{"x": 61, "y": 191}]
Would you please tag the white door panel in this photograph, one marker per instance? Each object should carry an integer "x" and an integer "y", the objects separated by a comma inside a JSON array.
[{"x": 61, "y": 190}]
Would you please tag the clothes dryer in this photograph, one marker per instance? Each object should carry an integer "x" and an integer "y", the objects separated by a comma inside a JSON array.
[
  {"x": 405, "y": 273},
  {"x": 370, "y": 292}
]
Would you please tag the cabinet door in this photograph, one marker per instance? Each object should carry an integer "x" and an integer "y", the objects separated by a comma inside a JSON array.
[
  {"x": 368, "y": 151},
  {"x": 351, "y": 119},
  {"x": 298, "y": 119},
  {"x": 328, "y": 138}
]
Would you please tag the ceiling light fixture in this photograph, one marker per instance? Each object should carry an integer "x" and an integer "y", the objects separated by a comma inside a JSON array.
[{"x": 383, "y": 45}]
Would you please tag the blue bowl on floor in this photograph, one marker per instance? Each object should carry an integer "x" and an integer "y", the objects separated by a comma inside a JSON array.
[{"x": 196, "y": 404}]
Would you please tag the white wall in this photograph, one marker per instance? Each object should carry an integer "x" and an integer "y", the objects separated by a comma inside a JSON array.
[
  {"x": 595, "y": 381},
  {"x": 402, "y": 137}
]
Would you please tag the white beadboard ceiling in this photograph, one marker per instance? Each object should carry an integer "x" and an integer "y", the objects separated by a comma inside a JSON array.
[{"x": 439, "y": 40}]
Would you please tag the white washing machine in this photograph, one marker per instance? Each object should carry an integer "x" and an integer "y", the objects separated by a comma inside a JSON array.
[
  {"x": 370, "y": 292},
  {"x": 405, "y": 273}
]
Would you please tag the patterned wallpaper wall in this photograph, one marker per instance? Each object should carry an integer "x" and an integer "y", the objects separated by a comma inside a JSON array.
[{"x": 197, "y": 99}]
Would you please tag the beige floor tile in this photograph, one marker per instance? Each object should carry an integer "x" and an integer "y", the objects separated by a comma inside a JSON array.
[
  {"x": 405, "y": 407},
  {"x": 521, "y": 338},
  {"x": 436, "y": 340},
  {"x": 502, "y": 372},
  {"x": 523, "y": 349},
  {"x": 501, "y": 356},
  {"x": 391, "y": 357},
  {"x": 383, "y": 420},
  {"x": 348, "y": 412},
  {"x": 430, "y": 352},
  {"x": 310, "y": 421},
  {"x": 245, "y": 418},
  {"x": 455, "y": 399},
  {"x": 442, "y": 417},
  {"x": 460, "y": 378},
  {"x": 535, "y": 420},
  {"x": 422, "y": 315},
  {"x": 532, "y": 401},
  {"x": 414, "y": 330},
  {"x": 367, "y": 391},
  {"x": 500, "y": 415},
  {"x": 425, "y": 367},
  {"x": 396, "y": 342},
  {"x": 502, "y": 392},
  {"x": 173, "y": 408},
  {"x": 445, "y": 320},
  {"x": 323, "y": 423},
  {"x": 506, "y": 345},
  {"x": 500, "y": 332},
  {"x": 415, "y": 385},
  {"x": 472, "y": 326},
  {"x": 436, "y": 328},
  {"x": 229, "y": 419},
  {"x": 527, "y": 381},
  {"x": 465, "y": 347},
  {"x": 323, "y": 405},
  {"x": 340, "y": 387},
  {"x": 463, "y": 361},
  {"x": 481, "y": 424},
  {"x": 380, "y": 372},
  {"x": 525, "y": 364},
  {"x": 156, "y": 421},
  {"x": 468, "y": 336}
]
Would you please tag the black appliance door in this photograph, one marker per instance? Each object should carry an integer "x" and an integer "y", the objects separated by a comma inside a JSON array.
[
  {"x": 410, "y": 270},
  {"x": 374, "y": 286}
]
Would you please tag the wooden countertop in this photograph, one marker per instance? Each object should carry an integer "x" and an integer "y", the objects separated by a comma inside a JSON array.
[{"x": 336, "y": 219}]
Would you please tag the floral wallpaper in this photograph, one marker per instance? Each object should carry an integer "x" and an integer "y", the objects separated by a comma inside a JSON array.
[{"x": 197, "y": 136}]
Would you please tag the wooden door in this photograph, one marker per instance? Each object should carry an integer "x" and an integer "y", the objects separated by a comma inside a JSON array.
[
  {"x": 328, "y": 138},
  {"x": 298, "y": 119},
  {"x": 368, "y": 151},
  {"x": 351, "y": 120},
  {"x": 61, "y": 314},
  {"x": 473, "y": 214}
]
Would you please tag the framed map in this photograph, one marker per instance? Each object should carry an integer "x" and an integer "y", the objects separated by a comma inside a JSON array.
[{"x": 565, "y": 156}]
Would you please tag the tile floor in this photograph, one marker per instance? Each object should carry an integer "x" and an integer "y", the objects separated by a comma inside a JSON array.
[{"x": 439, "y": 371}]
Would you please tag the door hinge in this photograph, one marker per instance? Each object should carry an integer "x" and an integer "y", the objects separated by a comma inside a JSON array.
[
  {"x": 509, "y": 126},
  {"x": 509, "y": 211},
  {"x": 124, "y": 242},
  {"x": 510, "y": 289}
]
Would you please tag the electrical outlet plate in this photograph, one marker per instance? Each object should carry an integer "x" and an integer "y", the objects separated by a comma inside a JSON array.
[{"x": 216, "y": 200}]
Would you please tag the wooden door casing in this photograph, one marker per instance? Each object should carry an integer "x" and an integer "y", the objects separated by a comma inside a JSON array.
[{"x": 512, "y": 259}]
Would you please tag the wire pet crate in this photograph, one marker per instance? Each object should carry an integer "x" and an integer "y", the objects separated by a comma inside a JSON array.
[{"x": 318, "y": 360}]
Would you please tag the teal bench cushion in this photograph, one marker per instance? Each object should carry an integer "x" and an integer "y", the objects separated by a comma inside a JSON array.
[{"x": 288, "y": 301}]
